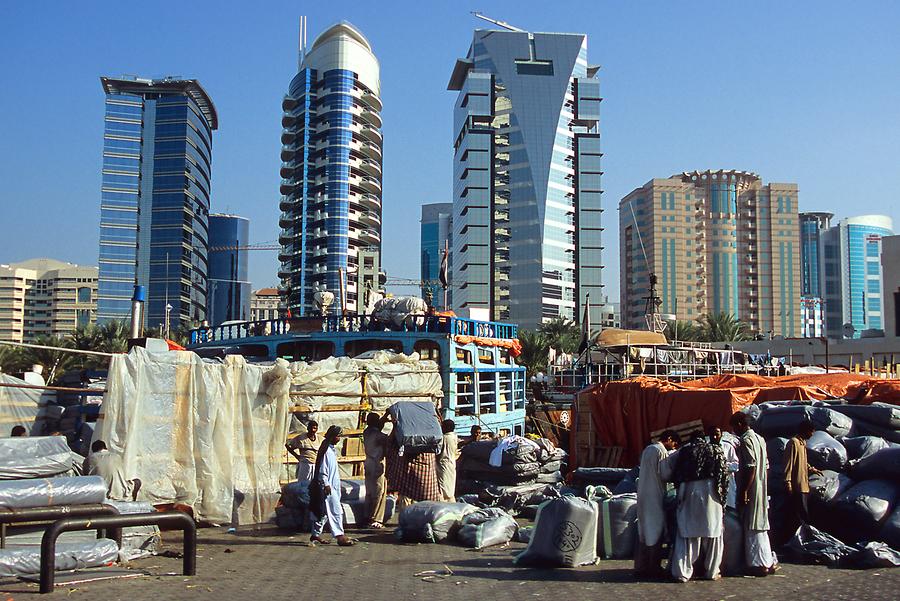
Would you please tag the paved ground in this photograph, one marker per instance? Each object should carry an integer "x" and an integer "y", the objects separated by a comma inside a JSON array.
[{"x": 269, "y": 565}]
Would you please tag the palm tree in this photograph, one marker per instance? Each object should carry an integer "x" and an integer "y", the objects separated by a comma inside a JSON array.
[
  {"x": 535, "y": 347},
  {"x": 724, "y": 327},
  {"x": 685, "y": 330},
  {"x": 55, "y": 362},
  {"x": 561, "y": 334}
]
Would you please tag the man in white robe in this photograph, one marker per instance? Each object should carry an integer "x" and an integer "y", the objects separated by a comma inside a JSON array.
[
  {"x": 651, "y": 515},
  {"x": 754, "y": 500},
  {"x": 702, "y": 478}
]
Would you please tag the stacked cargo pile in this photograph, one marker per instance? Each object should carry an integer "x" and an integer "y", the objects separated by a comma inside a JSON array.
[
  {"x": 856, "y": 495},
  {"x": 509, "y": 461},
  {"x": 41, "y": 472}
]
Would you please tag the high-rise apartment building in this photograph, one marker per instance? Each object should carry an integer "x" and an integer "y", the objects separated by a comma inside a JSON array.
[
  {"x": 154, "y": 202},
  {"x": 45, "y": 297},
  {"x": 228, "y": 287},
  {"x": 436, "y": 235},
  {"x": 331, "y": 170},
  {"x": 719, "y": 242},
  {"x": 852, "y": 275},
  {"x": 526, "y": 177},
  {"x": 890, "y": 269},
  {"x": 812, "y": 228}
]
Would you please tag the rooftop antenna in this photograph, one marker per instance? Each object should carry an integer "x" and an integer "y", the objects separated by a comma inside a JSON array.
[
  {"x": 301, "y": 43},
  {"x": 502, "y": 24}
]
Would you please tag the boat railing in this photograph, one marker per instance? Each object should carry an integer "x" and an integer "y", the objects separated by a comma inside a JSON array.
[{"x": 455, "y": 326}]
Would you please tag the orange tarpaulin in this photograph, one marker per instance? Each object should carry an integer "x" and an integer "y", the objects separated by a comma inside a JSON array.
[
  {"x": 624, "y": 413},
  {"x": 514, "y": 346}
]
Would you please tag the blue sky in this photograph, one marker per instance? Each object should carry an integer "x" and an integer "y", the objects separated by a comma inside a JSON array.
[{"x": 805, "y": 92}]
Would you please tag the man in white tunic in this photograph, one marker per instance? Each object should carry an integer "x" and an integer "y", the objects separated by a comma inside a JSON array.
[
  {"x": 701, "y": 475},
  {"x": 328, "y": 477},
  {"x": 446, "y": 462},
  {"x": 651, "y": 515},
  {"x": 753, "y": 499}
]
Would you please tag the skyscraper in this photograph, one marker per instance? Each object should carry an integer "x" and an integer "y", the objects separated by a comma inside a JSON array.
[
  {"x": 526, "y": 177},
  {"x": 154, "y": 203},
  {"x": 852, "y": 275},
  {"x": 436, "y": 229},
  {"x": 331, "y": 169},
  {"x": 228, "y": 282},
  {"x": 718, "y": 242},
  {"x": 812, "y": 228}
]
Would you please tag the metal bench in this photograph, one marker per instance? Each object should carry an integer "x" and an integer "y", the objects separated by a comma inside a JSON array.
[
  {"x": 115, "y": 523},
  {"x": 49, "y": 514}
]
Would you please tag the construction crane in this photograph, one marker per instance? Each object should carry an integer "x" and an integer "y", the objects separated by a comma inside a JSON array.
[
  {"x": 259, "y": 246},
  {"x": 502, "y": 24}
]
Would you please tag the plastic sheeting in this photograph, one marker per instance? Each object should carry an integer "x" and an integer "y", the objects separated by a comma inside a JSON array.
[
  {"x": 860, "y": 447},
  {"x": 416, "y": 427},
  {"x": 861, "y": 510},
  {"x": 565, "y": 535},
  {"x": 137, "y": 541},
  {"x": 37, "y": 457},
  {"x": 400, "y": 311},
  {"x": 69, "y": 556},
  {"x": 47, "y": 492},
  {"x": 812, "y": 545},
  {"x": 486, "y": 528},
  {"x": 890, "y": 532},
  {"x": 19, "y": 407},
  {"x": 430, "y": 521},
  {"x": 196, "y": 431},
  {"x": 786, "y": 421}
]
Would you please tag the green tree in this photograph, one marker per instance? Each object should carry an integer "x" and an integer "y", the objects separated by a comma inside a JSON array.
[
  {"x": 684, "y": 330},
  {"x": 724, "y": 327},
  {"x": 535, "y": 351},
  {"x": 561, "y": 334},
  {"x": 55, "y": 362}
]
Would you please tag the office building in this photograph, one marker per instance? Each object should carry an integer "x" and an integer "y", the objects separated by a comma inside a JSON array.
[
  {"x": 719, "y": 242},
  {"x": 812, "y": 307},
  {"x": 154, "y": 202},
  {"x": 264, "y": 304},
  {"x": 331, "y": 170},
  {"x": 890, "y": 269},
  {"x": 852, "y": 275},
  {"x": 45, "y": 297},
  {"x": 228, "y": 285},
  {"x": 436, "y": 230},
  {"x": 526, "y": 177}
]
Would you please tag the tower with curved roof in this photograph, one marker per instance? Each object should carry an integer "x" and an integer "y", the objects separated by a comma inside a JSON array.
[{"x": 331, "y": 173}]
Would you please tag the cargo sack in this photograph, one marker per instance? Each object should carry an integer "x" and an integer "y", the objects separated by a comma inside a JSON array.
[
  {"x": 786, "y": 420},
  {"x": 628, "y": 484},
  {"x": 828, "y": 486},
  {"x": 617, "y": 527},
  {"x": 883, "y": 415},
  {"x": 486, "y": 528},
  {"x": 882, "y": 464},
  {"x": 551, "y": 466},
  {"x": 48, "y": 492},
  {"x": 353, "y": 490},
  {"x": 416, "y": 427},
  {"x": 825, "y": 453},
  {"x": 599, "y": 476},
  {"x": 859, "y": 513},
  {"x": 890, "y": 531},
  {"x": 565, "y": 535},
  {"x": 554, "y": 478},
  {"x": 137, "y": 541},
  {"x": 430, "y": 521},
  {"x": 480, "y": 452},
  {"x": 523, "y": 535},
  {"x": 69, "y": 556},
  {"x": 733, "y": 544},
  {"x": 860, "y": 447},
  {"x": 875, "y": 555},
  {"x": 811, "y": 545},
  {"x": 295, "y": 494}
]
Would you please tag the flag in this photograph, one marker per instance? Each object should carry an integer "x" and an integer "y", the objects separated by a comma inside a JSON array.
[
  {"x": 444, "y": 275},
  {"x": 585, "y": 325}
]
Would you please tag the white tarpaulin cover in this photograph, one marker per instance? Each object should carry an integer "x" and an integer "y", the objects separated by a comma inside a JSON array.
[
  {"x": 18, "y": 406},
  {"x": 47, "y": 492},
  {"x": 195, "y": 431},
  {"x": 37, "y": 457},
  {"x": 386, "y": 373}
]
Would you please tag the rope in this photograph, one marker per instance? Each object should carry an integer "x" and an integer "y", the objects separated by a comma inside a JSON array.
[{"x": 56, "y": 348}]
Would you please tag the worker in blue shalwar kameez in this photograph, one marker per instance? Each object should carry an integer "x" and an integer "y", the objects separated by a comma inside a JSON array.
[{"x": 325, "y": 501}]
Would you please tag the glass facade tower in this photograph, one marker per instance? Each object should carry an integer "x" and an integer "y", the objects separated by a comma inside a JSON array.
[
  {"x": 436, "y": 229},
  {"x": 852, "y": 275},
  {"x": 229, "y": 284},
  {"x": 331, "y": 170},
  {"x": 526, "y": 141},
  {"x": 154, "y": 202}
]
